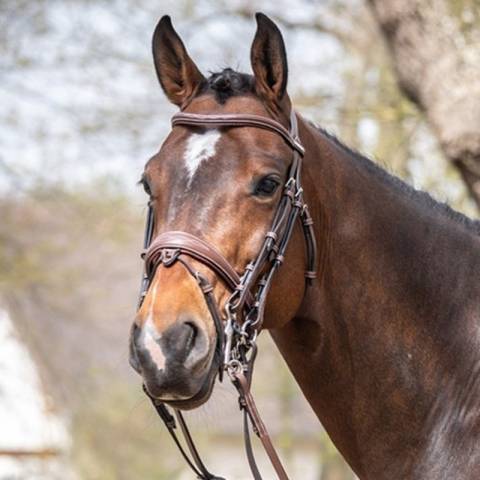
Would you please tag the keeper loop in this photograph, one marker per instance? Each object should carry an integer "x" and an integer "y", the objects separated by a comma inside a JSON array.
[{"x": 271, "y": 235}]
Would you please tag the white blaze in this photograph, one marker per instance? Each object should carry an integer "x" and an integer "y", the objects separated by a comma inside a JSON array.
[{"x": 200, "y": 147}]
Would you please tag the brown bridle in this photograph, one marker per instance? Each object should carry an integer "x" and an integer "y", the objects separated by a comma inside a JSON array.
[{"x": 243, "y": 315}]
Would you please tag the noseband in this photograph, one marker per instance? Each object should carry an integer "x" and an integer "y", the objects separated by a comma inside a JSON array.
[{"x": 238, "y": 327}]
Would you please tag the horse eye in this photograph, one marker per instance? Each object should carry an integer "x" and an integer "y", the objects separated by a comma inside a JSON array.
[
  {"x": 266, "y": 187},
  {"x": 146, "y": 186}
]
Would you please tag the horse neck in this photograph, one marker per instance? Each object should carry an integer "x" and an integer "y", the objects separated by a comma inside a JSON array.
[{"x": 376, "y": 347}]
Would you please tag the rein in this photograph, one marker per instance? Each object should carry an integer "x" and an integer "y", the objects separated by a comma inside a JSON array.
[{"x": 238, "y": 327}]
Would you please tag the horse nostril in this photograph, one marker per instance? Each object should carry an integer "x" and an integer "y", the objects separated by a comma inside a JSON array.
[
  {"x": 191, "y": 335},
  {"x": 181, "y": 338},
  {"x": 196, "y": 345},
  {"x": 185, "y": 343}
]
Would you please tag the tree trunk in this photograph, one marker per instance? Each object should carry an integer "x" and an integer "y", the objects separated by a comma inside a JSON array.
[{"x": 438, "y": 67}]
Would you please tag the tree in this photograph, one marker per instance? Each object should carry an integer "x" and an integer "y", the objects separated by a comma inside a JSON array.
[{"x": 435, "y": 48}]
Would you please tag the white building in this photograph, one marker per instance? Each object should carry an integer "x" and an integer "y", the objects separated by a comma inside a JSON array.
[{"x": 34, "y": 441}]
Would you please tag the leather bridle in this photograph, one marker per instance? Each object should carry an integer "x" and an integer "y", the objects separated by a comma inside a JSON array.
[{"x": 238, "y": 327}]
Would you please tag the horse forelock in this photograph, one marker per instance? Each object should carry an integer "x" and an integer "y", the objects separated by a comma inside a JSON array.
[{"x": 227, "y": 83}]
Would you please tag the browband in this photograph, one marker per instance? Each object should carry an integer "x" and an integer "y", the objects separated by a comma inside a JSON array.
[{"x": 239, "y": 120}]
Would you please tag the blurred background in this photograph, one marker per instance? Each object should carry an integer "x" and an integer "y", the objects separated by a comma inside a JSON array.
[{"x": 80, "y": 113}]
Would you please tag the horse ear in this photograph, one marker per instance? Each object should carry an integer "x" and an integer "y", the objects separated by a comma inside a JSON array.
[
  {"x": 177, "y": 73},
  {"x": 269, "y": 61}
]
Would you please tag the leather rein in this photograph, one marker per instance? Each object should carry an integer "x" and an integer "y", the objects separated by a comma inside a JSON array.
[{"x": 242, "y": 319}]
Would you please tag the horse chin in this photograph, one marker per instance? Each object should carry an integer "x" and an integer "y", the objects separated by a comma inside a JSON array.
[{"x": 201, "y": 396}]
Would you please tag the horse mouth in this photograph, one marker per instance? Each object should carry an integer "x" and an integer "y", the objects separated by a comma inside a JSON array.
[{"x": 203, "y": 393}]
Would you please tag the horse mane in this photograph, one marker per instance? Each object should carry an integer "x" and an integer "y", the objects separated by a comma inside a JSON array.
[{"x": 419, "y": 196}]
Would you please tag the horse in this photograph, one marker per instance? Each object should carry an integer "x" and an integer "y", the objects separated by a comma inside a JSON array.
[{"x": 384, "y": 342}]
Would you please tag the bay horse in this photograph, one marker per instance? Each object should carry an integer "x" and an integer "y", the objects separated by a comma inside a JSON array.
[{"x": 384, "y": 343}]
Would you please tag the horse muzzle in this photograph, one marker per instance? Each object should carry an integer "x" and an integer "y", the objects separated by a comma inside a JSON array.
[{"x": 174, "y": 365}]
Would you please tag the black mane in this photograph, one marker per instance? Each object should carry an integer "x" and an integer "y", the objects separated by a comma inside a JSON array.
[
  {"x": 228, "y": 83},
  {"x": 420, "y": 196}
]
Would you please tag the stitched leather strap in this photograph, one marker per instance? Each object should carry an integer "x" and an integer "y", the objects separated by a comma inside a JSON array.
[
  {"x": 249, "y": 405},
  {"x": 238, "y": 120},
  {"x": 188, "y": 244},
  {"x": 196, "y": 248}
]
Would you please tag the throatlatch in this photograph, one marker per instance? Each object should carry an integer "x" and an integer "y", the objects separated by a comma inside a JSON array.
[{"x": 238, "y": 328}]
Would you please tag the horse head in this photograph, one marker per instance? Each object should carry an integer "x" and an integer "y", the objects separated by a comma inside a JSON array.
[{"x": 222, "y": 185}]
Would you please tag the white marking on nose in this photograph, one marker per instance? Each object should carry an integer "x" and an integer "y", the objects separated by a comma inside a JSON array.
[
  {"x": 200, "y": 147},
  {"x": 151, "y": 337}
]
